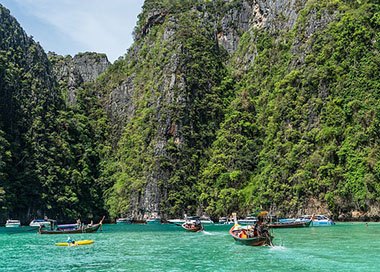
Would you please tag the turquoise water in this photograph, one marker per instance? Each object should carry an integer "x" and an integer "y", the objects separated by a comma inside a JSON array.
[{"x": 344, "y": 247}]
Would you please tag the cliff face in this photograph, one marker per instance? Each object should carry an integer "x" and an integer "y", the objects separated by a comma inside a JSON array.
[
  {"x": 27, "y": 94},
  {"x": 73, "y": 72},
  {"x": 48, "y": 152},
  {"x": 218, "y": 107},
  {"x": 208, "y": 94},
  {"x": 170, "y": 78}
]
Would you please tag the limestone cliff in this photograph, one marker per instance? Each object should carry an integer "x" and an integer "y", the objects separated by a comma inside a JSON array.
[
  {"x": 73, "y": 72},
  {"x": 197, "y": 65}
]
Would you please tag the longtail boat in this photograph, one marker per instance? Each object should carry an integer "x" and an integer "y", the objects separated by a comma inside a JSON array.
[
  {"x": 294, "y": 224},
  {"x": 247, "y": 236},
  {"x": 192, "y": 226},
  {"x": 78, "y": 229},
  {"x": 251, "y": 235}
]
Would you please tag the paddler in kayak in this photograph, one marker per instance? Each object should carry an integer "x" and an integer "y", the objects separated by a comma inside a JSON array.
[{"x": 70, "y": 241}]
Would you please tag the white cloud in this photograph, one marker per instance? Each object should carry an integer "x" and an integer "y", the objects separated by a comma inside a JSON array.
[{"x": 96, "y": 25}]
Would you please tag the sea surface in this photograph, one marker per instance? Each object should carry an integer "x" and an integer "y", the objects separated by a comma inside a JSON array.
[{"x": 343, "y": 247}]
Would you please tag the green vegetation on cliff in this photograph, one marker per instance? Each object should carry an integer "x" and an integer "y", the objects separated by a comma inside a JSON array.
[
  {"x": 313, "y": 121},
  {"x": 187, "y": 123},
  {"x": 48, "y": 155}
]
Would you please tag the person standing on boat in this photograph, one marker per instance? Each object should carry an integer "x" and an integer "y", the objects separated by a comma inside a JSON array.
[
  {"x": 79, "y": 223},
  {"x": 259, "y": 225}
]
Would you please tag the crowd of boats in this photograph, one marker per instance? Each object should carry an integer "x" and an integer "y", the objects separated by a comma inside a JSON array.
[
  {"x": 274, "y": 222},
  {"x": 253, "y": 230},
  {"x": 49, "y": 226}
]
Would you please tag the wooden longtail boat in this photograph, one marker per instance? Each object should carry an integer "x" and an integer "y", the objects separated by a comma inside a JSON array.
[
  {"x": 294, "y": 224},
  {"x": 257, "y": 235},
  {"x": 81, "y": 229},
  {"x": 241, "y": 234},
  {"x": 192, "y": 226}
]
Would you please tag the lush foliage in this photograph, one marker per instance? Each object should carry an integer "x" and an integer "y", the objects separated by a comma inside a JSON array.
[
  {"x": 288, "y": 122},
  {"x": 316, "y": 119},
  {"x": 49, "y": 153}
]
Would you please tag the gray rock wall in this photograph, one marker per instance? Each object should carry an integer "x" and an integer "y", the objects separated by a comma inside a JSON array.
[{"x": 72, "y": 72}]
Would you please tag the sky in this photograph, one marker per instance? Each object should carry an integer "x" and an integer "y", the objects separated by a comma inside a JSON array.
[{"x": 68, "y": 27}]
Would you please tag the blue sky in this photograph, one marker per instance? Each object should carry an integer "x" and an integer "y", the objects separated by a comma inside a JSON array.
[{"x": 68, "y": 27}]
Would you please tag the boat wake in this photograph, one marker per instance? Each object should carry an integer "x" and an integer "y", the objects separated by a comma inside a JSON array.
[
  {"x": 207, "y": 233},
  {"x": 278, "y": 248}
]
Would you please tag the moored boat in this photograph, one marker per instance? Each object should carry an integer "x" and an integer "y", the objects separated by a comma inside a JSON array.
[
  {"x": 317, "y": 220},
  {"x": 12, "y": 223},
  {"x": 40, "y": 223},
  {"x": 249, "y": 220},
  {"x": 153, "y": 220},
  {"x": 75, "y": 243},
  {"x": 225, "y": 221},
  {"x": 290, "y": 224},
  {"x": 203, "y": 219},
  {"x": 73, "y": 228},
  {"x": 124, "y": 220}
]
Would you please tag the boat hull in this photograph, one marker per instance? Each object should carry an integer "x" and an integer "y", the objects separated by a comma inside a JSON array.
[
  {"x": 290, "y": 225},
  {"x": 192, "y": 227},
  {"x": 11, "y": 223},
  {"x": 91, "y": 229},
  {"x": 76, "y": 243},
  {"x": 316, "y": 223},
  {"x": 124, "y": 221}
]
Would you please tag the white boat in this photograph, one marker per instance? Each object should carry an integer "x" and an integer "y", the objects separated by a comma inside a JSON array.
[
  {"x": 11, "y": 223},
  {"x": 177, "y": 221},
  {"x": 124, "y": 220},
  {"x": 317, "y": 220},
  {"x": 40, "y": 223},
  {"x": 250, "y": 220},
  {"x": 204, "y": 220},
  {"x": 226, "y": 221},
  {"x": 153, "y": 220}
]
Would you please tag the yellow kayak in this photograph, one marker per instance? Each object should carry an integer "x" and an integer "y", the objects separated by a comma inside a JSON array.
[{"x": 76, "y": 243}]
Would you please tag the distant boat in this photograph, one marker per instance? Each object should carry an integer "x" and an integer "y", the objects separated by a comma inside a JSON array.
[
  {"x": 204, "y": 220},
  {"x": 249, "y": 220},
  {"x": 192, "y": 226},
  {"x": 12, "y": 223},
  {"x": 124, "y": 220},
  {"x": 73, "y": 228},
  {"x": 153, "y": 220},
  {"x": 289, "y": 224},
  {"x": 225, "y": 221},
  {"x": 40, "y": 223},
  {"x": 316, "y": 220}
]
